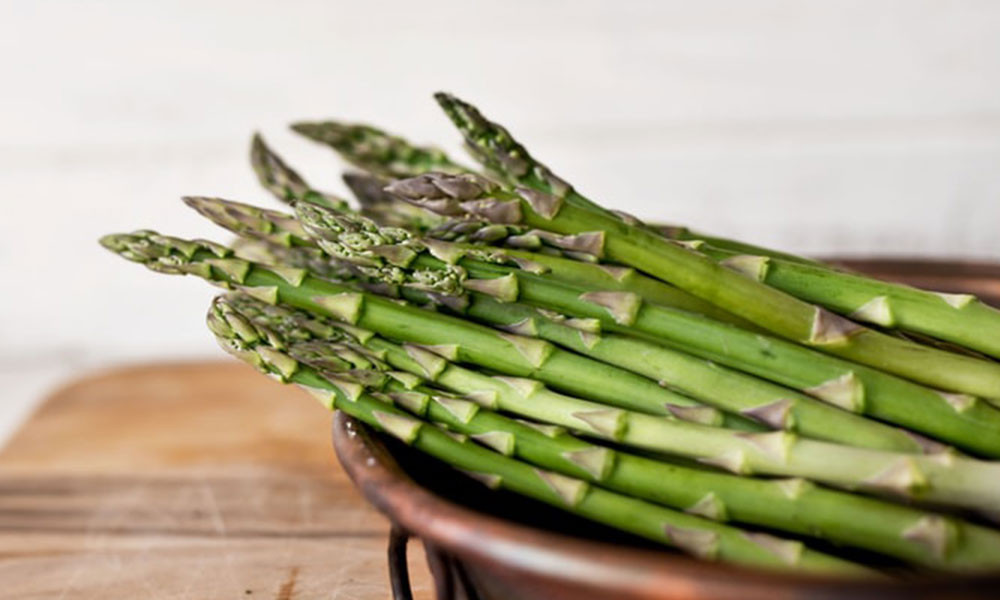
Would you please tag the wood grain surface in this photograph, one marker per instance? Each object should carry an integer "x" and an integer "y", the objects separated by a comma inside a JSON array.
[{"x": 188, "y": 480}]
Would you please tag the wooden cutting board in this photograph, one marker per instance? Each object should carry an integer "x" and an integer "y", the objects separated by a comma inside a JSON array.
[{"x": 196, "y": 480}]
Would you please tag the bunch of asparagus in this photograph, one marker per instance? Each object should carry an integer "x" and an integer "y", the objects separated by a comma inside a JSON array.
[{"x": 737, "y": 403}]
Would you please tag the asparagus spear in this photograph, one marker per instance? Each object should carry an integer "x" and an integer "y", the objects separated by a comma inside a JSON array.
[
  {"x": 683, "y": 234},
  {"x": 976, "y": 326},
  {"x": 774, "y": 406},
  {"x": 283, "y": 230},
  {"x": 270, "y": 167},
  {"x": 388, "y": 155},
  {"x": 282, "y": 181},
  {"x": 849, "y": 386},
  {"x": 943, "y": 478},
  {"x": 502, "y": 352},
  {"x": 376, "y": 151},
  {"x": 497, "y": 150},
  {"x": 386, "y": 209},
  {"x": 515, "y": 237},
  {"x": 767, "y": 307},
  {"x": 959, "y": 318},
  {"x": 792, "y": 505},
  {"x": 819, "y": 275},
  {"x": 392, "y": 256},
  {"x": 289, "y": 187},
  {"x": 696, "y": 535},
  {"x": 247, "y": 220}
]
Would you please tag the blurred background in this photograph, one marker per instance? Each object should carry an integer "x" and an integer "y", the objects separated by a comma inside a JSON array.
[{"x": 848, "y": 127}]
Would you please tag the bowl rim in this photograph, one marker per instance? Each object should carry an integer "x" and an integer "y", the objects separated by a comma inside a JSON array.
[{"x": 518, "y": 549}]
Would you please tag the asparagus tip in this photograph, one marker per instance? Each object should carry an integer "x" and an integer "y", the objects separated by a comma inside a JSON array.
[
  {"x": 324, "y": 132},
  {"x": 110, "y": 241}
]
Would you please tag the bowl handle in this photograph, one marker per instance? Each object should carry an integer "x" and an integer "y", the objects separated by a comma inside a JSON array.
[
  {"x": 399, "y": 572},
  {"x": 450, "y": 580}
]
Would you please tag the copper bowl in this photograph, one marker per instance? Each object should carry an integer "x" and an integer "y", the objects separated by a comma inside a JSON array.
[{"x": 490, "y": 545}]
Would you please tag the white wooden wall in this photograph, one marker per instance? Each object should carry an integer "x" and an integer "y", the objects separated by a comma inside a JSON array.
[{"x": 867, "y": 126}]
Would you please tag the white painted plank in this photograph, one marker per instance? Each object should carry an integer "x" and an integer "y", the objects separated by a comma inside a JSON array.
[{"x": 831, "y": 126}]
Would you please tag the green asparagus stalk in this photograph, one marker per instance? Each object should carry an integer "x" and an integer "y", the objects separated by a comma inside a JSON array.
[
  {"x": 283, "y": 230},
  {"x": 699, "y": 275},
  {"x": 270, "y": 167},
  {"x": 376, "y": 151},
  {"x": 284, "y": 182},
  {"x": 247, "y": 220},
  {"x": 925, "y": 312},
  {"x": 959, "y": 318},
  {"x": 772, "y": 405},
  {"x": 388, "y": 155},
  {"x": 289, "y": 187},
  {"x": 499, "y": 351},
  {"x": 943, "y": 478},
  {"x": 393, "y": 256},
  {"x": 497, "y": 150},
  {"x": 683, "y": 234},
  {"x": 964, "y": 421},
  {"x": 515, "y": 237},
  {"x": 696, "y": 535},
  {"x": 861, "y": 298},
  {"x": 792, "y": 505},
  {"x": 802, "y": 279},
  {"x": 768, "y": 404},
  {"x": 313, "y": 260}
]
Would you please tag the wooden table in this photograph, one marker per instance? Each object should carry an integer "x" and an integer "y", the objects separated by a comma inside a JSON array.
[{"x": 197, "y": 480}]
